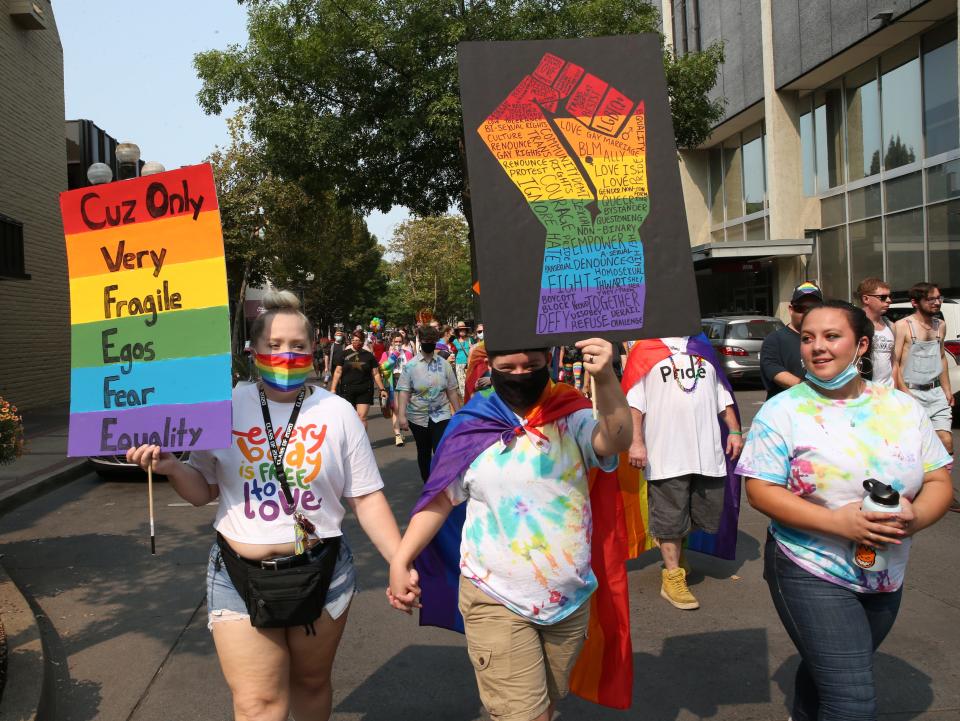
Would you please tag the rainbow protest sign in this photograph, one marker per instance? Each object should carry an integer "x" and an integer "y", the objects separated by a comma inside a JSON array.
[{"x": 150, "y": 328}]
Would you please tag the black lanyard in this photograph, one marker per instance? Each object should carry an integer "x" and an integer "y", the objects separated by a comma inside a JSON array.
[{"x": 275, "y": 453}]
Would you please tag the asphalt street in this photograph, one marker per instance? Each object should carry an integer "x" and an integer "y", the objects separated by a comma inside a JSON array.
[{"x": 126, "y": 639}]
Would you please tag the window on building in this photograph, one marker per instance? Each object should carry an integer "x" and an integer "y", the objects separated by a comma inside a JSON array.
[
  {"x": 828, "y": 126},
  {"x": 905, "y": 248},
  {"x": 832, "y": 245},
  {"x": 754, "y": 186},
  {"x": 11, "y": 248},
  {"x": 756, "y": 229},
  {"x": 832, "y": 210},
  {"x": 940, "y": 120},
  {"x": 904, "y": 192},
  {"x": 943, "y": 181},
  {"x": 864, "y": 202},
  {"x": 863, "y": 122},
  {"x": 686, "y": 26},
  {"x": 943, "y": 236},
  {"x": 866, "y": 250},
  {"x": 733, "y": 179},
  {"x": 809, "y": 158},
  {"x": 900, "y": 103}
]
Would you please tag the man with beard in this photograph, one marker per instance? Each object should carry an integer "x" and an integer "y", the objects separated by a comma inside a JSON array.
[
  {"x": 518, "y": 458},
  {"x": 677, "y": 441},
  {"x": 920, "y": 362}
]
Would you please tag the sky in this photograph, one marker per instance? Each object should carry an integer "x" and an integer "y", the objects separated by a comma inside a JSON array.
[{"x": 140, "y": 85}]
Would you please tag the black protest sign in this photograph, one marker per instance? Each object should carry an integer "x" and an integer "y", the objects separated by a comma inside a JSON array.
[{"x": 578, "y": 211}]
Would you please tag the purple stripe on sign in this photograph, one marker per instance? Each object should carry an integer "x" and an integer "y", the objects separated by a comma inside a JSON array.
[
  {"x": 591, "y": 309},
  {"x": 181, "y": 427}
]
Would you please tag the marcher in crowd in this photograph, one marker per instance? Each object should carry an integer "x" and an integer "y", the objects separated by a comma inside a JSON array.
[
  {"x": 444, "y": 347},
  {"x": 677, "y": 441},
  {"x": 391, "y": 365},
  {"x": 409, "y": 344},
  {"x": 875, "y": 299},
  {"x": 274, "y": 672},
  {"x": 920, "y": 362},
  {"x": 462, "y": 343},
  {"x": 427, "y": 398},
  {"x": 335, "y": 356},
  {"x": 526, "y": 579},
  {"x": 356, "y": 376},
  {"x": 808, "y": 452},
  {"x": 780, "y": 366}
]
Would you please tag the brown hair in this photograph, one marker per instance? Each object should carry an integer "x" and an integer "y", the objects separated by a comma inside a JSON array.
[
  {"x": 920, "y": 291},
  {"x": 868, "y": 286},
  {"x": 274, "y": 302}
]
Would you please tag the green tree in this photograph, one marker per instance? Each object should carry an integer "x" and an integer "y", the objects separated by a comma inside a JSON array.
[
  {"x": 308, "y": 242},
  {"x": 362, "y": 96},
  {"x": 431, "y": 268}
]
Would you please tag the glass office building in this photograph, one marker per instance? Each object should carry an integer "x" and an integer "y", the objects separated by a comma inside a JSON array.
[{"x": 839, "y": 154}]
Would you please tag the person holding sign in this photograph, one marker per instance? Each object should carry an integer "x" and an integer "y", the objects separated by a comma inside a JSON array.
[
  {"x": 518, "y": 457},
  {"x": 280, "y": 577}
]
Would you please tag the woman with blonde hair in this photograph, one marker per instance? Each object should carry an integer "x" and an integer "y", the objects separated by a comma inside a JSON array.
[{"x": 280, "y": 576}]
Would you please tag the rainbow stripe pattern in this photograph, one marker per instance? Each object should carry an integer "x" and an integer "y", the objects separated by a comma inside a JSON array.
[
  {"x": 150, "y": 327},
  {"x": 284, "y": 371},
  {"x": 575, "y": 147}
]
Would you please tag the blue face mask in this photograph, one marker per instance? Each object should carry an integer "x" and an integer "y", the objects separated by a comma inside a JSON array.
[{"x": 839, "y": 380}]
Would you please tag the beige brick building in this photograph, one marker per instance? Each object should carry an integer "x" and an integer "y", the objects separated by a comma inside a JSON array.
[{"x": 34, "y": 299}]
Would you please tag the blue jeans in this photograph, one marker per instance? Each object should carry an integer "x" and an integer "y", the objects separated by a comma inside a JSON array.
[{"x": 836, "y": 630}]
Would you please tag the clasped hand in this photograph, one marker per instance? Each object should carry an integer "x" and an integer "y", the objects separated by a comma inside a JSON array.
[
  {"x": 404, "y": 590},
  {"x": 874, "y": 529}
]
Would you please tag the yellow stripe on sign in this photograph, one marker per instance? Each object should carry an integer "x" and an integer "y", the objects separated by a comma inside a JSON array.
[{"x": 184, "y": 286}]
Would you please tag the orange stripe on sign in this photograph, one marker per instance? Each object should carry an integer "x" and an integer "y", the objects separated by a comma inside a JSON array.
[
  {"x": 186, "y": 191},
  {"x": 179, "y": 239}
]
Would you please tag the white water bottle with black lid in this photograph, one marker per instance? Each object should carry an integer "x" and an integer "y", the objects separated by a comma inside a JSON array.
[{"x": 880, "y": 498}]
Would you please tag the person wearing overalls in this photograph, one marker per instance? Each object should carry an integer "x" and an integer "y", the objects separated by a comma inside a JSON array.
[{"x": 920, "y": 363}]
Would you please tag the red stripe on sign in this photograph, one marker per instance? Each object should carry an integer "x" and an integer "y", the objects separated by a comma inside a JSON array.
[{"x": 186, "y": 191}]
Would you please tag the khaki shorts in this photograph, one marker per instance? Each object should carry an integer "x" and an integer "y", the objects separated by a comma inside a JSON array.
[{"x": 521, "y": 666}]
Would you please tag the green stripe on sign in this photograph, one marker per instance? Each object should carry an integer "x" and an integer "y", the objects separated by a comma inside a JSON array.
[{"x": 184, "y": 333}]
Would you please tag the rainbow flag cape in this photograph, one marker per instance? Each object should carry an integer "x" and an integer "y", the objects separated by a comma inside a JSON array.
[
  {"x": 604, "y": 671},
  {"x": 477, "y": 365},
  {"x": 643, "y": 356}
]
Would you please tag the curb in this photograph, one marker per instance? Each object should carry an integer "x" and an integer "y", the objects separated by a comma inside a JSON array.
[
  {"x": 44, "y": 483},
  {"x": 23, "y": 693}
]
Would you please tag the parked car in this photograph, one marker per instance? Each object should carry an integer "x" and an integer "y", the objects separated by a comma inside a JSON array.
[
  {"x": 950, "y": 314},
  {"x": 737, "y": 340},
  {"x": 113, "y": 467}
]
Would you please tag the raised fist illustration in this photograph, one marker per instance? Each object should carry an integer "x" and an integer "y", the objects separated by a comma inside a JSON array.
[{"x": 576, "y": 148}]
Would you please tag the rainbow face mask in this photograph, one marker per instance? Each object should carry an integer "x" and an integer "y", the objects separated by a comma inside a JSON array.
[{"x": 284, "y": 371}]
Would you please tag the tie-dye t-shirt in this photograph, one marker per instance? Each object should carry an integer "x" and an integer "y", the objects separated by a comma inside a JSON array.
[
  {"x": 526, "y": 538},
  {"x": 822, "y": 450},
  {"x": 427, "y": 382}
]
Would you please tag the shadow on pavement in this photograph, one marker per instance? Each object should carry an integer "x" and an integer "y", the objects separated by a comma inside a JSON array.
[
  {"x": 902, "y": 689},
  {"x": 135, "y": 594},
  {"x": 698, "y": 673}
]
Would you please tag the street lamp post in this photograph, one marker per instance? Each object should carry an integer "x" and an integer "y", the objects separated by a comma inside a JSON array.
[
  {"x": 128, "y": 158},
  {"x": 152, "y": 167},
  {"x": 99, "y": 173}
]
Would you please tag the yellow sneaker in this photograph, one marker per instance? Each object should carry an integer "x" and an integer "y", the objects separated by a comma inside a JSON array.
[{"x": 674, "y": 589}]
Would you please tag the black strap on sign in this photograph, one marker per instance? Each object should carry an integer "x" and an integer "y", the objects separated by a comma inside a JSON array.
[{"x": 277, "y": 454}]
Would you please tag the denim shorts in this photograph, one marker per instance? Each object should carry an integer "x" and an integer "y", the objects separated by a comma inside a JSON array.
[{"x": 225, "y": 604}]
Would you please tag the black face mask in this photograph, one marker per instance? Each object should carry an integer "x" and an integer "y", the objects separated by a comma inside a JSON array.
[
  {"x": 520, "y": 390},
  {"x": 428, "y": 347}
]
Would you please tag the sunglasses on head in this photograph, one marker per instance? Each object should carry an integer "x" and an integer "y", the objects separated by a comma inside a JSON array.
[{"x": 884, "y": 297}]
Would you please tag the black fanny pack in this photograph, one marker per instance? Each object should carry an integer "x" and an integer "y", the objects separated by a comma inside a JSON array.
[{"x": 283, "y": 592}]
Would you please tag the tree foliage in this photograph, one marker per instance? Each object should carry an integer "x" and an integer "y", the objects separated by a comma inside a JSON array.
[
  {"x": 362, "y": 96},
  {"x": 430, "y": 269},
  {"x": 307, "y": 242}
]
